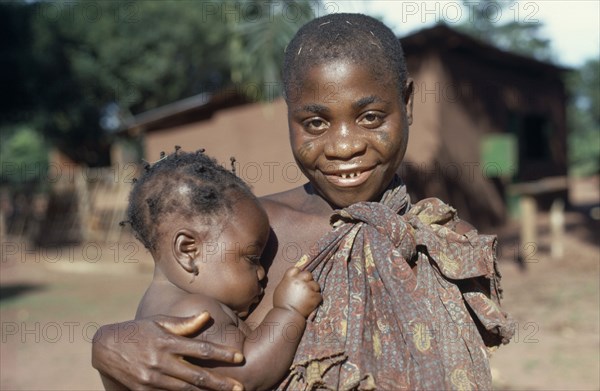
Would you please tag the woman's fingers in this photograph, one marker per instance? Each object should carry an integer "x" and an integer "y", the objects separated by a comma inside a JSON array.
[
  {"x": 183, "y": 326},
  {"x": 203, "y": 383},
  {"x": 178, "y": 369},
  {"x": 146, "y": 354},
  {"x": 192, "y": 347},
  {"x": 171, "y": 383},
  {"x": 185, "y": 374},
  {"x": 204, "y": 350}
]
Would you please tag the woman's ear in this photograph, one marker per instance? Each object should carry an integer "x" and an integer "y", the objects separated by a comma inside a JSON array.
[
  {"x": 187, "y": 248},
  {"x": 408, "y": 100}
]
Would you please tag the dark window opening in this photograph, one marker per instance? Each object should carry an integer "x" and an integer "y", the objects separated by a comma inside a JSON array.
[{"x": 535, "y": 137}]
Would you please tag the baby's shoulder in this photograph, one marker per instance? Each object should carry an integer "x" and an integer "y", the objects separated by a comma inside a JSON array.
[{"x": 194, "y": 304}]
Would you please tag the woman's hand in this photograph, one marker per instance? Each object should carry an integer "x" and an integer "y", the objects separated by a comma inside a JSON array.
[{"x": 147, "y": 354}]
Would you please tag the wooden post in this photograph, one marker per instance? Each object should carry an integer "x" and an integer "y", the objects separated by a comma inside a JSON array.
[
  {"x": 82, "y": 198},
  {"x": 528, "y": 206},
  {"x": 557, "y": 227},
  {"x": 3, "y": 232}
]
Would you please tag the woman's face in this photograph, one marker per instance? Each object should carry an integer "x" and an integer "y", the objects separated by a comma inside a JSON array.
[{"x": 348, "y": 130}]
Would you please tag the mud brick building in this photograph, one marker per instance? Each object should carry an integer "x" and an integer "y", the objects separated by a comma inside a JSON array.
[{"x": 484, "y": 120}]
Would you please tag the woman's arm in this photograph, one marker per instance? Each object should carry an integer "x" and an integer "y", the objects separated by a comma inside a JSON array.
[{"x": 146, "y": 354}]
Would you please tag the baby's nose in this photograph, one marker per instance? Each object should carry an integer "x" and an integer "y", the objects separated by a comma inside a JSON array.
[{"x": 260, "y": 273}]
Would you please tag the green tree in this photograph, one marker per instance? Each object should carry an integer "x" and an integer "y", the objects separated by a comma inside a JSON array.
[
  {"x": 519, "y": 32},
  {"x": 79, "y": 68},
  {"x": 23, "y": 157},
  {"x": 258, "y": 40},
  {"x": 132, "y": 55}
]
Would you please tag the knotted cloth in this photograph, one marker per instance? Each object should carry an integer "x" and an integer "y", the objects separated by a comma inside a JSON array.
[{"x": 384, "y": 326}]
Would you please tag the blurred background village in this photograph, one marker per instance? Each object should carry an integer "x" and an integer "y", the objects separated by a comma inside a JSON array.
[{"x": 504, "y": 131}]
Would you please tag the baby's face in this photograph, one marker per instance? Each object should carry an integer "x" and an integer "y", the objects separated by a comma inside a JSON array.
[
  {"x": 233, "y": 255},
  {"x": 348, "y": 130}
]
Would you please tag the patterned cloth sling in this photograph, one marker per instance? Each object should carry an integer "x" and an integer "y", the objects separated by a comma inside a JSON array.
[{"x": 384, "y": 326}]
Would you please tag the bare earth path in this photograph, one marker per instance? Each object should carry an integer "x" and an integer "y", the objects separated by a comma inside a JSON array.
[{"x": 52, "y": 302}]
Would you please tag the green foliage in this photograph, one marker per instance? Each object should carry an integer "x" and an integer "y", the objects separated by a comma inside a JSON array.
[
  {"x": 23, "y": 156},
  {"x": 70, "y": 69},
  {"x": 520, "y": 35},
  {"x": 257, "y": 44},
  {"x": 584, "y": 119}
]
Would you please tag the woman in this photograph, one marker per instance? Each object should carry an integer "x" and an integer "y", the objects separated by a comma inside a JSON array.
[{"x": 395, "y": 277}]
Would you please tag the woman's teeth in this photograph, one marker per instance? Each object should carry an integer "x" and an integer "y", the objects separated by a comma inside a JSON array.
[{"x": 350, "y": 175}]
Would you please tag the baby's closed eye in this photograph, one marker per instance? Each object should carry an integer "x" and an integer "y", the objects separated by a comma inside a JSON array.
[{"x": 255, "y": 259}]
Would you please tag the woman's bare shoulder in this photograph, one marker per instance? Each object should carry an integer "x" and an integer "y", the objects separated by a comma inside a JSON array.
[
  {"x": 297, "y": 203},
  {"x": 284, "y": 203},
  {"x": 286, "y": 198}
]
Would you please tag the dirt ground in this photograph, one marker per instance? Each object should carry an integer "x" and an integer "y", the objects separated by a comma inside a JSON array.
[{"x": 53, "y": 300}]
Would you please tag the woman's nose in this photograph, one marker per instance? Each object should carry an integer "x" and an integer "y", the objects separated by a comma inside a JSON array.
[{"x": 344, "y": 144}]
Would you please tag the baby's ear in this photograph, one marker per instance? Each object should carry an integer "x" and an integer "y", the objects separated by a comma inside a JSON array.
[{"x": 187, "y": 249}]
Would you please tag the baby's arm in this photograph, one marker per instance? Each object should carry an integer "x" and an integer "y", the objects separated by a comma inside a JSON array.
[
  {"x": 111, "y": 384},
  {"x": 270, "y": 348}
]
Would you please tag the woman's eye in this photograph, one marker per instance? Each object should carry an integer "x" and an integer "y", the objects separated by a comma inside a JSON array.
[
  {"x": 371, "y": 120},
  {"x": 315, "y": 125}
]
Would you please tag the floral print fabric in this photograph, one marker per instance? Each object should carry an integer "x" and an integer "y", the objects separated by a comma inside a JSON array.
[{"x": 383, "y": 325}]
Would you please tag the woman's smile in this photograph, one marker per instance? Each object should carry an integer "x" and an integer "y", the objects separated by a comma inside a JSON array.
[{"x": 348, "y": 176}]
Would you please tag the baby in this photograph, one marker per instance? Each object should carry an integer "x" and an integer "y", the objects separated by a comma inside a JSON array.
[{"x": 206, "y": 232}]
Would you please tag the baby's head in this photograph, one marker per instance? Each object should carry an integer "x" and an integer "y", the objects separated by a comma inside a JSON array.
[
  {"x": 203, "y": 226},
  {"x": 182, "y": 185},
  {"x": 349, "y": 106}
]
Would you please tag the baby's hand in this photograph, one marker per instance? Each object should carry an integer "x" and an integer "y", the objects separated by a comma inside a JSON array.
[{"x": 297, "y": 291}]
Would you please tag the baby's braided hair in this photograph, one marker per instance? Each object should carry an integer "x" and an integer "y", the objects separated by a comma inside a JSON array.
[
  {"x": 183, "y": 183},
  {"x": 358, "y": 38}
]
